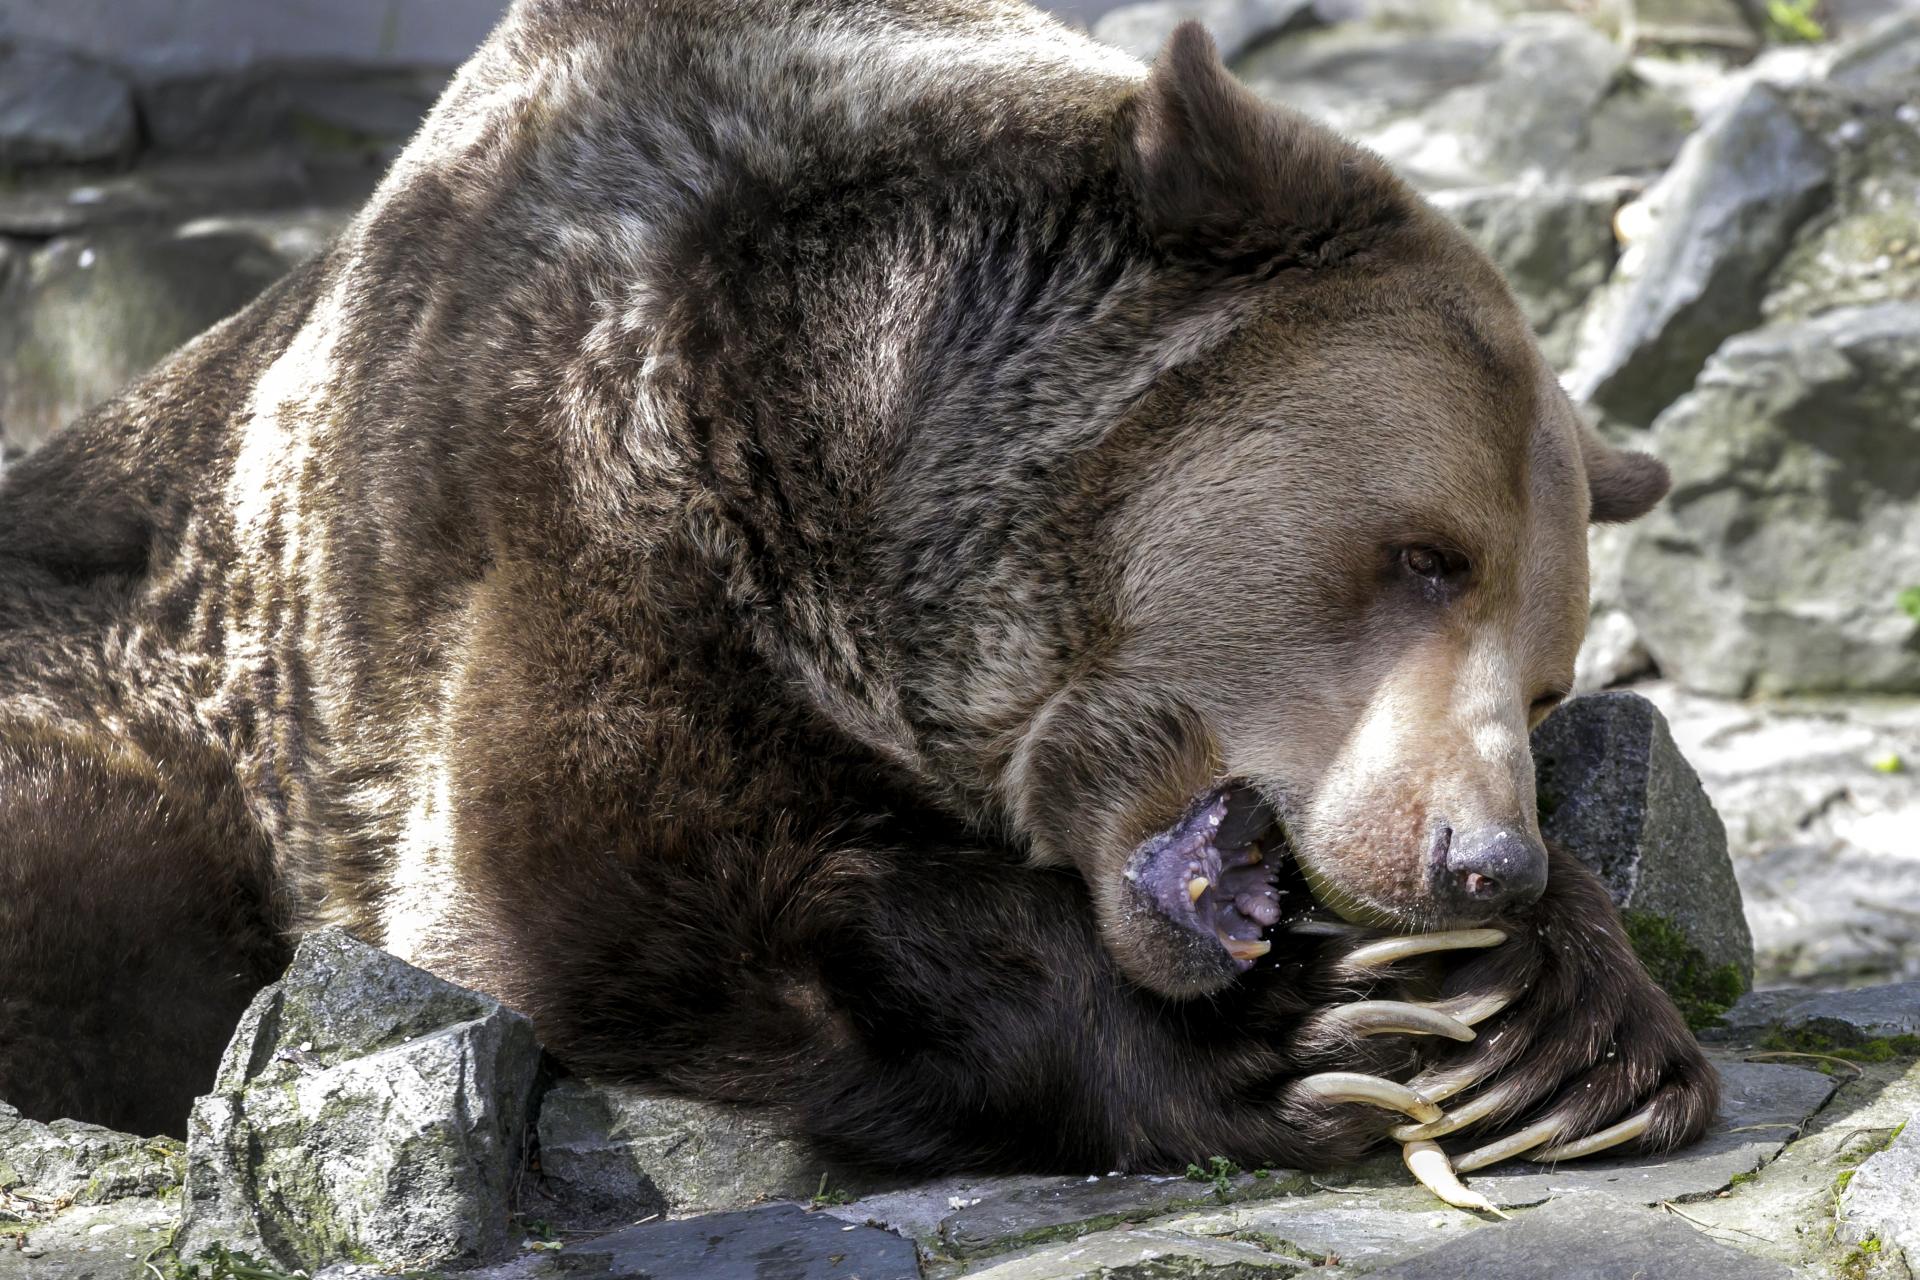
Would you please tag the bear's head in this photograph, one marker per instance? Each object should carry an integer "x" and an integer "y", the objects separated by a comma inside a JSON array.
[{"x": 1344, "y": 574}]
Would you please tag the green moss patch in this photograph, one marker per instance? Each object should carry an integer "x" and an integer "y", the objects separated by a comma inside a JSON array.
[
  {"x": 1811, "y": 1039},
  {"x": 1702, "y": 990}
]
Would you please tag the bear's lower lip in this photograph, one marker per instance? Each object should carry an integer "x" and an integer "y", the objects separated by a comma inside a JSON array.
[{"x": 1223, "y": 870}]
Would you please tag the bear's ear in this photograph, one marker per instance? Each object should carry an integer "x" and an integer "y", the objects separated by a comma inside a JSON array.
[
  {"x": 1221, "y": 175},
  {"x": 1623, "y": 484}
]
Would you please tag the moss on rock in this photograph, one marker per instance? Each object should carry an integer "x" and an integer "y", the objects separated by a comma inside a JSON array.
[{"x": 1701, "y": 989}]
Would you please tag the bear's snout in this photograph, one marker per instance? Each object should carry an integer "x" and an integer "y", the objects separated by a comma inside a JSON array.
[{"x": 1482, "y": 872}]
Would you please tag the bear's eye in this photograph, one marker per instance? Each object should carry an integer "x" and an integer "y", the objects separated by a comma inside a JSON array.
[{"x": 1431, "y": 563}]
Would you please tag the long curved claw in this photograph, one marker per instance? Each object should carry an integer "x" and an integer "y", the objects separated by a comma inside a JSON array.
[
  {"x": 1427, "y": 1162},
  {"x": 1350, "y": 1086},
  {"x": 1612, "y": 1136},
  {"x": 1441, "y": 1085},
  {"x": 1517, "y": 1143},
  {"x": 1458, "y": 1118},
  {"x": 1375, "y": 955},
  {"x": 1384, "y": 1017},
  {"x": 1474, "y": 1010}
]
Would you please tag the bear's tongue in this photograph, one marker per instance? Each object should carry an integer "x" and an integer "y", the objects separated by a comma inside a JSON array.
[{"x": 1211, "y": 872}]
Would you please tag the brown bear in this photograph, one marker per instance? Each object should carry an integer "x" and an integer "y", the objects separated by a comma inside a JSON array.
[{"x": 872, "y": 557}]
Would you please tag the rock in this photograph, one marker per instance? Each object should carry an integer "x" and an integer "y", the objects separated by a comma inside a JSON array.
[
  {"x": 1864, "y": 247},
  {"x": 1883, "y": 61},
  {"x": 160, "y": 191},
  {"x": 1615, "y": 792},
  {"x": 321, "y": 109},
  {"x": 610, "y": 1154},
  {"x": 1721, "y": 217},
  {"x": 67, "y": 1160},
  {"x": 111, "y": 1241},
  {"x": 1132, "y": 1253},
  {"x": 977, "y": 1218},
  {"x": 1611, "y": 654},
  {"x": 59, "y": 109},
  {"x": 1881, "y": 1202},
  {"x": 1361, "y": 1232},
  {"x": 1064, "y": 1209},
  {"x": 1542, "y": 96},
  {"x": 1554, "y": 244},
  {"x": 783, "y": 1240},
  {"x": 365, "y": 1111},
  {"x": 1612, "y": 651},
  {"x": 1587, "y": 1238},
  {"x": 1762, "y": 1106},
  {"x": 1821, "y": 807},
  {"x": 1776, "y": 565},
  {"x": 1694, "y": 25},
  {"x": 1851, "y": 1019},
  {"x": 89, "y": 313},
  {"x": 1236, "y": 25},
  {"x": 1847, "y": 19},
  {"x": 78, "y": 1202}
]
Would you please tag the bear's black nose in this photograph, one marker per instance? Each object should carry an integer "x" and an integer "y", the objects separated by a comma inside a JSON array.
[{"x": 1493, "y": 869}]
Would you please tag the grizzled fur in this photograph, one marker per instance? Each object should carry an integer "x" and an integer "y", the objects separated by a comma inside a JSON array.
[{"x": 770, "y": 502}]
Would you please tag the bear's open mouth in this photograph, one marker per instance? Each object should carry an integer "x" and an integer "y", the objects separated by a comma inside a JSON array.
[{"x": 1224, "y": 870}]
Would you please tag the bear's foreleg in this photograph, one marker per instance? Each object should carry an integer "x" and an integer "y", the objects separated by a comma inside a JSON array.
[{"x": 136, "y": 920}]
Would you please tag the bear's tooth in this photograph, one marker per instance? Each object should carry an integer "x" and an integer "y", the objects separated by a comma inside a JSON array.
[{"x": 1196, "y": 887}]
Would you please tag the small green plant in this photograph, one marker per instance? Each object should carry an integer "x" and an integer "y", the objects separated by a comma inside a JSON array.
[
  {"x": 1794, "y": 21},
  {"x": 1909, "y": 602},
  {"x": 826, "y": 1195},
  {"x": 217, "y": 1262},
  {"x": 1859, "y": 1261},
  {"x": 1219, "y": 1172}
]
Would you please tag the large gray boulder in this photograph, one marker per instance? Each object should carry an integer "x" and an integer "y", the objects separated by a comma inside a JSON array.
[
  {"x": 85, "y": 314},
  {"x": 1863, "y": 247},
  {"x": 1615, "y": 792},
  {"x": 59, "y": 109},
  {"x": 1721, "y": 218},
  {"x": 1794, "y": 524},
  {"x": 366, "y": 1111},
  {"x": 1543, "y": 96}
]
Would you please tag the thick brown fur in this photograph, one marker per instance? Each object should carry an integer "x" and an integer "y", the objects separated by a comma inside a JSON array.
[{"x": 767, "y": 506}]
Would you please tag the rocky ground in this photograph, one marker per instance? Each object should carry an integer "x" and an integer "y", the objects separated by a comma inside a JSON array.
[{"x": 1710, "y": 209}]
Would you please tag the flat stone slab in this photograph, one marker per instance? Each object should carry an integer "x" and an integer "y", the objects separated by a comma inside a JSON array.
[
  {"x": 1882, "y": 1200},
  {"x": 1058, "y": 1209},
  {"x": 1363, "y": 1230},
  {"x": 1852, "y": 1018},
  {"x": 783, "y": 1241},
  {"x": 1762, "y": 1108},
  {"x": 1588, "y": 1237},
  {"x": 1131, "y": 1254}
]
